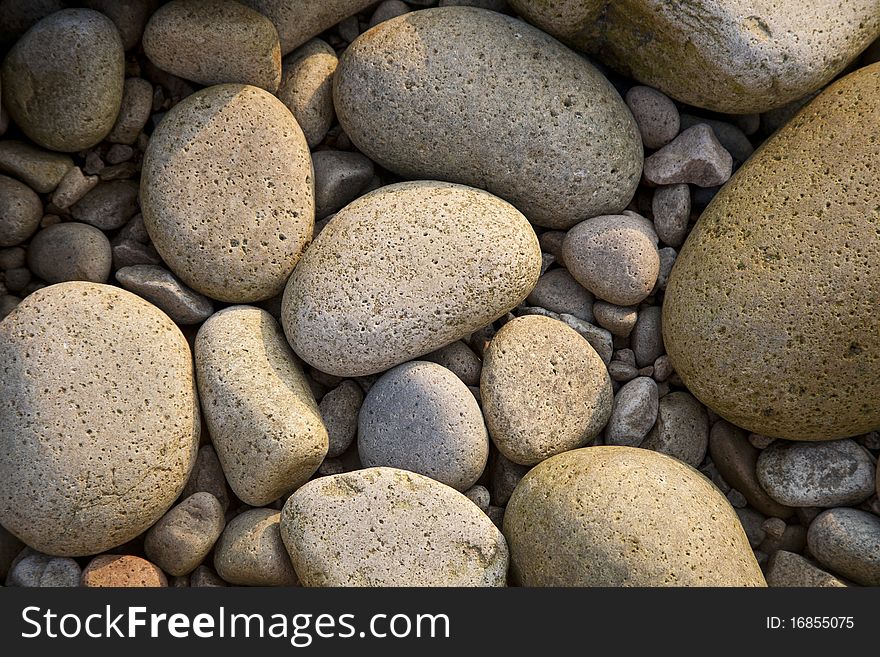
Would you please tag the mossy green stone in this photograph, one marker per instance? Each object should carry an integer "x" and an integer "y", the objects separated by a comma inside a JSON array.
[{"x": 771, "y": 314}]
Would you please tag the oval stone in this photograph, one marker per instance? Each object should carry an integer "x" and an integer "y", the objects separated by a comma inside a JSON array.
[
  {"x": 261, "y": 415},
  {"x": 227, "y": 192},
  {"x": 847, "y": 542},
  {"x": 770, "y": 313},
  {"x": 826, "y": 474},
  {"x": 403, "y": 271},
  {"x": 733, "y": 56},
  {"x": 100, "y": 423},
  {"x": 623, "y": 516},
  {"x": 250, "y": 551},
  {"x": 480, "y": 98},
  {"x": 544, "y": 389},
  {"x": 62, "y": 81},
  {"x": 390, "y": 528}
]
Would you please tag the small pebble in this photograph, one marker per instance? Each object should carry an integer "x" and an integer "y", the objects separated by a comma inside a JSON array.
[
  {"x": 35, "y": 569},
  {"x": 635, "y": 410},
  {"x": 307, "y": 88},
  {"x": 752, "y": 522},
  {"x": 646, "y": 338},
  {"x": 205, "y": 577},
  {"x": 183, "y": 537},
  {"x": 667, "y": 260},
  {"x": 599, "y": 338},
  {"x": 459, "y": 359},
  {"x": 655, "y": 114},
  {"x": 72, "y": 188},
  {"x": 20, "y": 211},
  {"x": 161, "y": 288},
  {"x": 108, "y": 206},
  {"x": 137, "y": 103},
  {"x": 671, "y": 205},
  {"x": 41, "y": 170},
  {"x": 729, "y": 136},
  {"x": 70, "y": 251},
  {"x": 682, "y": 429},
  {"x": 619, "y": 320},
  {"x": 694, "y": 157},
  {"x": 479, "y": 495},
  {"x": 207, "y": 476},
  {"x": 792, "y": 570},
  {"x": 339, "y": 179},
  {"x": 847, "y": 542},
  {"x": 774, "y": 527},
  {"x": 110, "y": 570},
  {"x": 504, "y": 475},
  {"x": 250, "y": 551},
  {"x": 339, "y": 410},
  {"x": 387, "y": 10},
  {"x": 557, "y": 291},
  {"x": 128, "y": 253}
]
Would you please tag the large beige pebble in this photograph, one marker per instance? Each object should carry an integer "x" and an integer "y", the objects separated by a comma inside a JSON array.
[
  {"x": 62, "y": 81},
  {"x": 735, "y": 56},
  {"x": 479, "y": 98},
  {"x": 390, "y": 528},
  {"x": 261, "y": 415},
  {"x": 544, "y": 389},
  {"x": 300, "y": 20},
  {"x": 623, "y": 516},
  {"x": 250, "y": 551},
  {"x": 20, "y": 211},
  {"x": 99, "y": 425},
  {"x": 770, "y": 315},
  {"x": 307, "y": 88},
  {"x": 227, "y": 192},
  {"x": 214, "y": 42},
  {"x": 404, "y": 270}
]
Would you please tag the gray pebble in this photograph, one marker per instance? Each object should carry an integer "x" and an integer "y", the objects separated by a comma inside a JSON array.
[
  {"x": 388, "y": 9},
  {"x": 655, "y": 114},
  {"x": 621, "y": 372},
  {"x": 634, "y": 412},
  {"x": 614, "y": 256},
  {"x": 619, "y": 320},
  {"x": 348, "y": 29},
  {"x": 137, "y": 102},
  {"x": 825, "y": 474},
  {"x": 789, "y": 569},
  {"x": 682, "y": 429},
  {"x": 307, "y": 88},
  {"x": 479, "y": 495},
  {"x": 671, "y": 205},
  {"x": 557, "y": 291},
  {"x": 729, "y": 136},
  {"x": 8, "y": 303},
  {"x": 752, "y": 522},
  {"x": 339, "y": 410},
  {"x": 551, "y": 242},
  {"x": 695, "y": 157},
  {"x": 847, "y": 542},
  {"x": 41, "y": 170},
  {"x": 12, "y": 257},
  {"x": 70, "y": 251},
  {"x": 599, "y": 338},
  {"x": 420, "y": 417},
  {"x": 250, "y": 551},
  {"x": 207, "y": 476},
  {"x": 459, "y": 359},
  {"x": 109, "y": 205},
  {"x": 339, "y": 178},
  {"x": 72, "y": 188},
  {"x": 184, "y": 536},
  {"x": 135, "y": 230},
  {"x": 128, "y": 253},
  {"x": 646, "y": 338},
  {"x": 504, "y": 475},
  {"x": 667, "y": 260},
  {"x": 20, "y": 211},
  {"x": 16, "y": 280},
  {"x": 161, "y": 288},
  {"x": 119, "y": 153},
  {"x": 203, "y": 577},
  {"x": 35, "y": 569}
]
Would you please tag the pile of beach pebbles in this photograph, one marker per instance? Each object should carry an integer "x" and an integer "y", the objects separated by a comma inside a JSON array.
[{"x": 456, "y": 293}]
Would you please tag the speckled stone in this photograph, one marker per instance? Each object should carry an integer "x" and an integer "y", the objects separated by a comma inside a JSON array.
[
  {"x": 108, "y": 206},
  {"x": 646, "y": 337},
  {"x": 736, "y": 460},
  {"x": 655, "y": 114},
  {"x": 35, "y": 569},
  {"x": 424, "y": 264},
  {"x": 41, "y": 170},
  {"x": 184, "y": 536},
  {"x": 307, "y": 88},
  {"x": 559, "y": 292},
  {"x": 769, "y": 315},
  {"x": 261, "y": 415},
  {"x": 160, "y": 287},
  {"x": 19, "y": 15},
  {"x": 339, "y": 410},
  {"x": 544, "y": 389},
  {"x": 122, "y": 571},
  {"x": 205, "y": 577},
  {"x": 459, "y": 359},
  {"x": 137, "y": 103},
  {"x": 826, "y": 474},
  {"x": 72, "y": 188},
  {"x": 227, "y": 192},
  {"x": 847, "y": 542},
  {"x": 300, "y": 20},
  {"x": 695, "y": 156},
  {"x": 214, "y": 42},
  {"x": 100, "y": 425},
  {"x": 671, "y": 205},
  {"x": 614, "y": 256},
  {"x": 20, "y": 211},
  {"x": 682, "y": 429},
  {"x": 505, "y": 98},
  {"x": 634, "y": 412},
  {"x": 207, "y": 476},
  {"x": 70, "y": 251},
  {"x": 619, "y": 320},
  {"x": 790, "y": 569},
  {"x": 390, "y": 528},
  {"x": 729, "y": 56},
  {"x": 420, "y": 417},
  {"x": 250, "y": 551},
  {"x": 589, "y": 507},
  {"x": 62, "y": 81}
]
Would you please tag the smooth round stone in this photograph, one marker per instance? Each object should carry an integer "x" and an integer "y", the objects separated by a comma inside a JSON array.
[
  {"x": 214, "y": 42},
  {"x": 615, "y": 257},
  {"x": 420, "y": 417},
  {"x": 339, "y": 178},
  {"x": 20, "y": 211},
  {"x": 261, "y": 415},
  {"x": 634, "y": 413},
  {"x": 307, "y": 88},
  {"x": 62, "y": 81},
  {"x": 769, "y": 315},
  {"x": 491, "y": 84},
  {"x": 622, "y": 516},
  {"x": 250, "y": 551},
  {"x": 184, "y": 536},
  {"x": 732, "y": 56},
  {"x": 682, "y": 429},
  {"x": 227, "y": 192},
  {"x": 847, "y": 542},
  {"x": 390, "y": 528},
  {"x": 459, "y": 359},
  {"x": 558, "y": 292},
  {"x": 100, "y": 422},
  {"x": 655, "y": 114},
  {"x": 423, "y": 264},
  {"x": 826, "y": 474},
  {"x": 619, "y": 320},
  {"x": 125, "y": 571},
  {"x": 70, "y": 251},
  {"x": 544, "y": 389}
]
